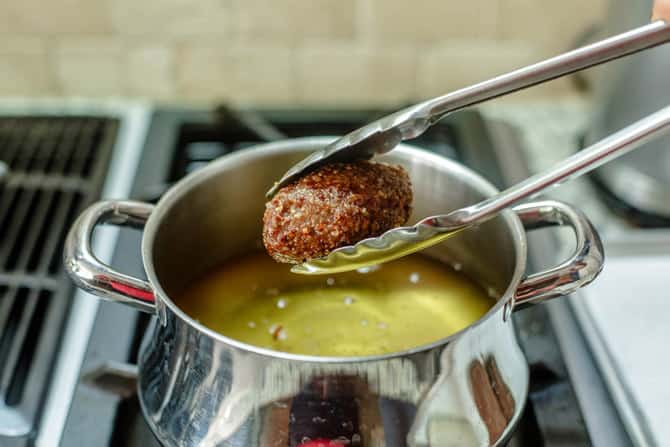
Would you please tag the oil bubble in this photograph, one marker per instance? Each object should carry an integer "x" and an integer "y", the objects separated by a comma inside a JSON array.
[{"x": 368, "y": 269}]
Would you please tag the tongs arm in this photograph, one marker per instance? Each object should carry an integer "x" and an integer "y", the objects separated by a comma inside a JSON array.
[
  {"x": 383, "y": 135},
  {"x": 606, "y": 50}
]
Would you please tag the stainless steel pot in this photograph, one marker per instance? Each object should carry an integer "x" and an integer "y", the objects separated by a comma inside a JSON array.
[{"x": 198, "y": 387}]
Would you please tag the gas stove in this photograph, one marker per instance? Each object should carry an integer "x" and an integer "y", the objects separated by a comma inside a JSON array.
[{"x": 103, "y": 409}]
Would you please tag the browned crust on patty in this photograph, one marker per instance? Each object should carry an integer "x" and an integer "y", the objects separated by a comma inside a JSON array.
[{"x": 338, "y": 204}]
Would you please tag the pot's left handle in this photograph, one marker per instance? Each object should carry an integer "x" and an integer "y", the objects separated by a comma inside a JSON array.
[{"x": 93, "y": 275}]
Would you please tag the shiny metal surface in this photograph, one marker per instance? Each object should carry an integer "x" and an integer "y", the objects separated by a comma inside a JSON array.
[
  {"x": 198, "y": 387},
  {"x": 3, "y": 170},
  {"x": 598, "y": 412},
  {"x": 401, "y": 241},
  {"x": 625, "y": 91},
  {"x": 383, "y": 135},
  {"x": 582, "y": 267},
  {"x": 91, "y": 274}
]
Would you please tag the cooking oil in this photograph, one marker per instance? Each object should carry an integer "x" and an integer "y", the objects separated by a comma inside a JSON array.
[{"x": 386, "y": 308}]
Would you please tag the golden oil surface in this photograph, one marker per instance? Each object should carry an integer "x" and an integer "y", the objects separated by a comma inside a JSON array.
[{"x": 388, "y": 308}]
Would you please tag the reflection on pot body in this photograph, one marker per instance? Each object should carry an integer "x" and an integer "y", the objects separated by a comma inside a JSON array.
[
  {"x": 441, "y": 397},
  {"x": 199, "y": 388}
]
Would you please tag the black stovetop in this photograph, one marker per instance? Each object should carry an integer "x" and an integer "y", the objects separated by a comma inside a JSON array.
[{"x": 182, "y": 140}]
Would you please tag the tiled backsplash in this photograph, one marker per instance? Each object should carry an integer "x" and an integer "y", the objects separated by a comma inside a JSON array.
[{"x": 280, "y": 52}]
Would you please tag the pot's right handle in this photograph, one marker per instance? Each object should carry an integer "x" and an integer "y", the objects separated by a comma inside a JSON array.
[
  {"x": 582, "y": 267},
  {"x": 91, "y": 274}
]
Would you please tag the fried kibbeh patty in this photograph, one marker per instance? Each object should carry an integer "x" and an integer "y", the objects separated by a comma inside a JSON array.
[{"x": 336, "y": 205}]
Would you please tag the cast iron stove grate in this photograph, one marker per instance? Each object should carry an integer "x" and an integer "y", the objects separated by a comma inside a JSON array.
[{"x": 56, "y": 166}]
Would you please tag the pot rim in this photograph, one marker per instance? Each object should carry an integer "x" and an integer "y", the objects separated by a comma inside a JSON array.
[{"x": 298, "y": 145}]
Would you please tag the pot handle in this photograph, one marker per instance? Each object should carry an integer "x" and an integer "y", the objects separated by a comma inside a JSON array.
[
  {"x": 91, "y": 274},
  {"x": 580, "y": 269}
]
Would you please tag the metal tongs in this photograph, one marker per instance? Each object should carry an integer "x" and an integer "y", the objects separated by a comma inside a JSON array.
[{"x": 383, "y": 135}]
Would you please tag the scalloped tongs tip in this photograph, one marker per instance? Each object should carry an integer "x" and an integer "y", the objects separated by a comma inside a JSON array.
[{"x": 383, "y": 135}]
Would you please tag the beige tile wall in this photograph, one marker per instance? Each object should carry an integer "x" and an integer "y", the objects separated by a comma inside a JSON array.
[{"x": 281, "y": 52}]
